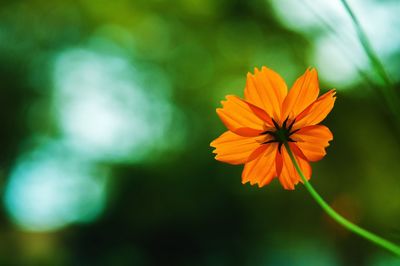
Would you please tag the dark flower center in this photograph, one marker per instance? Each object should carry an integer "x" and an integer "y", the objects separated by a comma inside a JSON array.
[{"x": 280, "y": 134}]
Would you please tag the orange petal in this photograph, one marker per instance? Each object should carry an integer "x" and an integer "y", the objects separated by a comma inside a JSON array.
[
  {"x": 262, "y": 114},
  {"x": 289, "y": 176},
  {"x": 256, "y": 153},
  {"x": 247, "y": 132},
  {"x": 261, "y": 170},
  {"x": 317, "y": 111},
  {"x": 267, "y": 90},
  {"x": 279, "y": 163},
  {"x": 234, "y": 149},
  {"x": 237, "y": 117},
  {"x": 304, "y": 92},
  {"x": 312, "y": 141},
  {"x": 305, "y": 168}
]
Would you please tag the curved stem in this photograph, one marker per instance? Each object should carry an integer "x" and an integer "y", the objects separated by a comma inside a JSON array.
[{"x": 340, "y": 219}]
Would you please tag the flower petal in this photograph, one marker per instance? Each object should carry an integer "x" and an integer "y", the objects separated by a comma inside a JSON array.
[
  {"x": 234, "y": 149},
  {"x": 305, "y": 168},
  {"x": 256, "y": 153},
  {"x": 317, "y": 111},
  {"x": 261, "y": 114},
  {"x": 237, "y": 117},
  {"x": 261, "y": 170},
  {"x": 312, "y": 141},
  {"x": 303, "y": 92},
  {"x": 267, "y": 90},
  {"x": 247, "y": 132},
  {"x": 288, "y": 176}
]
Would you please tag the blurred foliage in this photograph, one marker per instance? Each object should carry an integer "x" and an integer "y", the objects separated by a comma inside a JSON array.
[{"x": 168, "y": 202}]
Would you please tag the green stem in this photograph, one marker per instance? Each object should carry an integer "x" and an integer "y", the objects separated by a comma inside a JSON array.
[{"x": 337, "y": 217}]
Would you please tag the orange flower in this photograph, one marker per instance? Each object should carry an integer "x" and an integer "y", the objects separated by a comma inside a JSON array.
[{"x": 268, "y": 116}]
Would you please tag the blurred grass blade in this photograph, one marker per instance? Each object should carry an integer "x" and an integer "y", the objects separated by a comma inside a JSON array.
[
  {"x": 341, "y": 43},
  {"x": 389, "y": 93}
]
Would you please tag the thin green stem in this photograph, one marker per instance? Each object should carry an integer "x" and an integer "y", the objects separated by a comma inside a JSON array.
[
  {"x": 389, "y": 94},
  {"x": 340, "y": 219}
]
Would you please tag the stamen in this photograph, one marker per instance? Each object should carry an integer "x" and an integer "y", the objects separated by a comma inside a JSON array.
[
  {"x": 280, "y": 147},
  {"x": 291, "y": 125},
  {"x": 267, "y": 132},
  {"x": 281, "y": 134},
  {"x": 275, "y": 124},
  {"x": 284, "y": 122},
  {"x": 294, "y": 131}
]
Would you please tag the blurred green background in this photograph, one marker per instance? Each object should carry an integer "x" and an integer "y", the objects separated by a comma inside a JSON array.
[{"x": 108, "y": 108}]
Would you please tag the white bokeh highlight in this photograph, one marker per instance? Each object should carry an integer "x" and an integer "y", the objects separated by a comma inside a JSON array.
[
  {"x": 50, "y": 188},
  {"x": 103, "y": 109},
  {"x": 337, "y": 51}
]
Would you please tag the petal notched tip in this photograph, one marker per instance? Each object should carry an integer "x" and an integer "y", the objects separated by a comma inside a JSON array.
[
  {"x": 312, "y": 70},
  {"x": 333, "y": 93},
  {"x": 212, "y": 144},
  {"x": 227, "y": 98},
  {"x": 287, "y": 185},
  {"x": 257, "y": 183},
  {"x": 265, "y": 182}
]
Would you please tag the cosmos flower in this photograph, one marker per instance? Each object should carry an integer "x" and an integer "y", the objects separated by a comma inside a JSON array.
[{"x": 267, "y": 117}]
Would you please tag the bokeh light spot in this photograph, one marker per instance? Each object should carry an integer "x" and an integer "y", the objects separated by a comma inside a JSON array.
[
  {"x": 338, "y": 50},
  {"x": 103, "y": 110},
  {"x": 51, "y": 188}
]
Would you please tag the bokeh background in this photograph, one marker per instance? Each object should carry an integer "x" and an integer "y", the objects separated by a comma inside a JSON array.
[{"x": 107, "y": 109}]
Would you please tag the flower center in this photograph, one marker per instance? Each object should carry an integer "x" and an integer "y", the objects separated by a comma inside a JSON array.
[{"x": 280, "y": 134}]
